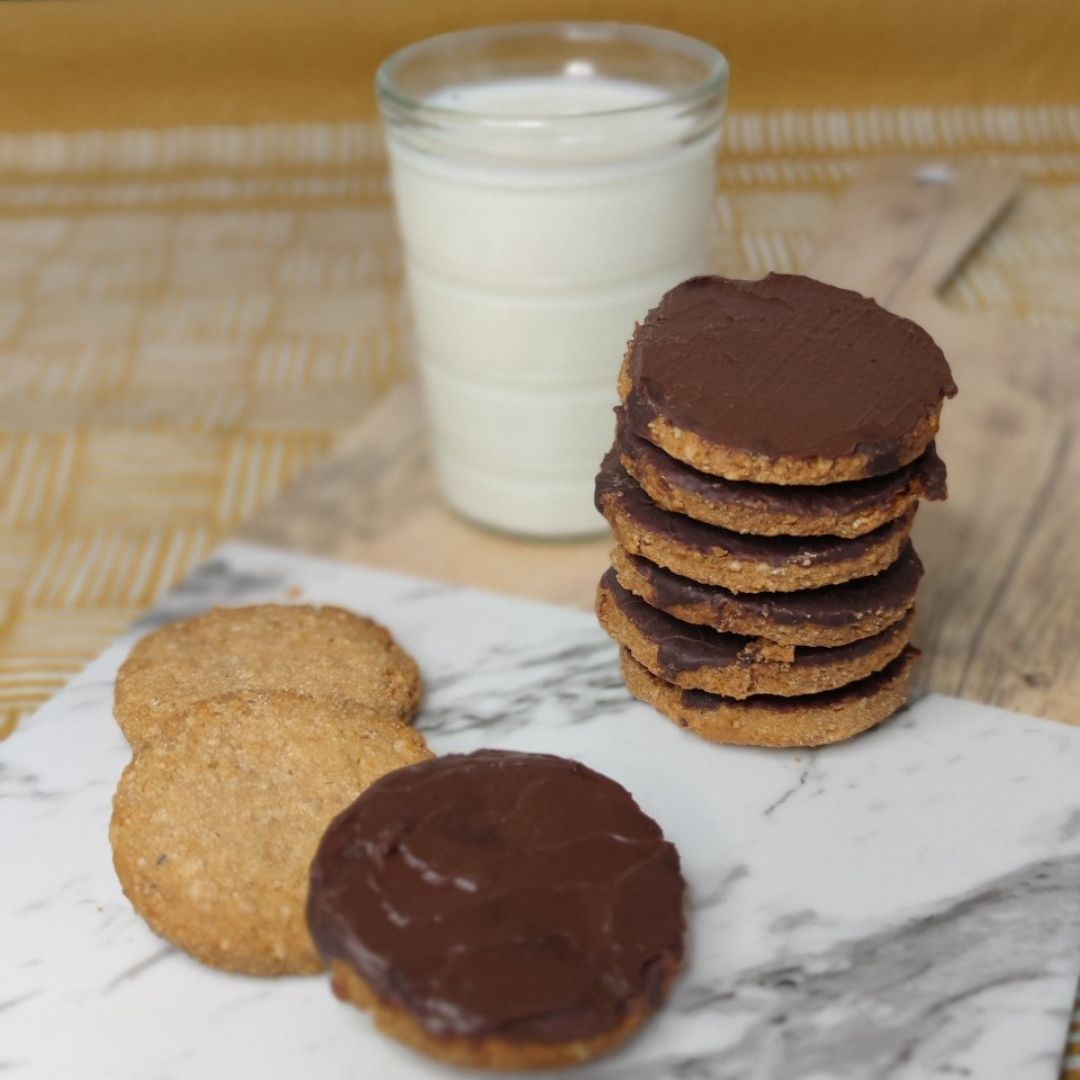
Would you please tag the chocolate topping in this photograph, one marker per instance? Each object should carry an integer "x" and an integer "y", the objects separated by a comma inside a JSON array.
[
  {"x": 614, "y": 483},
  {"x": 785, "y": 367},
  {"x": 683, "y": 647},
  {"x": 840, "y": 698},
  {"x": 515, "y": 896},
  {"x": 835, "y": 605},
  {"x": 924, "y": 476}
]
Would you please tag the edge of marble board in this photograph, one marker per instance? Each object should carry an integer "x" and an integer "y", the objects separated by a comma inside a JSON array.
[{"x": 207, "y": 584}]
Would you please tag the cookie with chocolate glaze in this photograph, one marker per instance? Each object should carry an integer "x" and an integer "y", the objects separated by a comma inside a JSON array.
[
  {"x": 321, "y": 651},
  {"x": 785, "y": 380},
  {"x": 741, "y": 563},
  {"x": 213, "y": 829},
  {"x": 848, "y": 510},
  {"x": 699, "y": 658},
  {"x": 808, "y": 720},
  {"x": 834, "y": 615},
  {"x": 499, "y": 909}
]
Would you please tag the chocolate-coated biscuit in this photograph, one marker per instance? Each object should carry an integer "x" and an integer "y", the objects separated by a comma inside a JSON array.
[
  {"x": 785, "y": 380},
  {"x": 700, "y": 658},
  {"x": 810, "y": 720},
  {"x": 499, "y": 909},
  {"x": 834, "y": 615},
  {"x": 741, "y": 563},
  {"x": 848, "y": 510},
  {"x": 213, "y": 829},
  {"x": 321, "y": 651},
  {"x": 490, "y": 1053}
]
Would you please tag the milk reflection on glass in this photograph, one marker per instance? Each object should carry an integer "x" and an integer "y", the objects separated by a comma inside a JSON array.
[{"x": 551, "y": 182}]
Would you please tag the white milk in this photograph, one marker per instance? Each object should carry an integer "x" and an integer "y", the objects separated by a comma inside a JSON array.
[{"x": 527, "y": 274}]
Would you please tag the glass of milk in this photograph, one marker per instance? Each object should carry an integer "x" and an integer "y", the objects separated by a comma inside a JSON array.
[{"x": 552, "y": 180}]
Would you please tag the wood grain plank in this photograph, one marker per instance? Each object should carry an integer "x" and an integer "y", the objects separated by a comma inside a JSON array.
[
  {"x": 904, "y": 228},
  {"x": 1000, "y": 606}
]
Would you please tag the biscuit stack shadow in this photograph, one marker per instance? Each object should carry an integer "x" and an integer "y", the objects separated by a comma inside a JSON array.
[{"x": 773, "y": 443}]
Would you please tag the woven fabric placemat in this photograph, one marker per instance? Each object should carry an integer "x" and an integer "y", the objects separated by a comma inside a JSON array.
[{"x": 189, "y": 317}]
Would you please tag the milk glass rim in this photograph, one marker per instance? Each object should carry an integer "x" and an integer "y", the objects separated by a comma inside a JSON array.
[{"x": 715, "y": 82}]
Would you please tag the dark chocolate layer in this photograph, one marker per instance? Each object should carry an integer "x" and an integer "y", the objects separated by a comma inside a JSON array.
[
  {"x": 833, "y": 606},
  {"x": 684, "y": 647},
  {"x": 613, "y": 482},
  {"x": 785, "y": 367},
  {"x": 521, "y": 897},
  {"x": 836, "y": 699},
  {"x": 806, "y": 501}
]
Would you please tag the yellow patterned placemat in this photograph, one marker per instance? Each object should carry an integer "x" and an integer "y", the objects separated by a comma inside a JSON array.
[{"x": 189, "y": 317}]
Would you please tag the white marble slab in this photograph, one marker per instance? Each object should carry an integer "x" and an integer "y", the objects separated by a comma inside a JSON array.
[{"x": 906, "y": 905}]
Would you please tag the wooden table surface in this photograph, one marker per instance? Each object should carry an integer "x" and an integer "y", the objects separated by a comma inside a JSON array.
[{"x": 999, "y": 609}]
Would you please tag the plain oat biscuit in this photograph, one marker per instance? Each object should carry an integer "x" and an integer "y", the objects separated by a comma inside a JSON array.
[
  {"x": 321, "y": 651},
  {"x": 214, "y": 828}
]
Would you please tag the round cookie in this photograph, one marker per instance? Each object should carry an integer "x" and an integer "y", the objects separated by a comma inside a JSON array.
[
  {"x": 809, "y": 720},
  {"x": 848, "y": 510},
  {"x": 473, "y": 1053},
  {"x": 786, "y": 380},
  {"x": 741, "y": 563},
  {"x": 699, "y": 658},
  {"x": 213, "y": 830},
  {"x": 499, "y": 909},
  {"x": 321, "y": 651},
  {"x": 835, "y": 615}
]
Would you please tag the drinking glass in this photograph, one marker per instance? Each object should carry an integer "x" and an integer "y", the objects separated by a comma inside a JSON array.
[{"x": 551, "y": 182}]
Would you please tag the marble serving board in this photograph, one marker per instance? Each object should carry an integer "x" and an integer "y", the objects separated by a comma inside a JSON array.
[{"x": 904, "y": 905}]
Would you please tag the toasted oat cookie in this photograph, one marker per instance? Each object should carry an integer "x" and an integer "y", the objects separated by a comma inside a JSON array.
[
  {"x": 741, "y": 563},
  {"x": 699, "y": 658},
  {"x": 321, "y": 651},
  {"x": 500, "y": 909},
  {"x": 486, "y": 1053},
  {"x": 834, "y": 615},
  {"x": 213, "y": 829},
  {"x": 808, "y": 720},
  {"x": 785, "y": 380},
  {"x": 847, "y": 510}
]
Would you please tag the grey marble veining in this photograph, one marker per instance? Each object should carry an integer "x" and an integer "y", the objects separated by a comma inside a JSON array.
[{"x": 906, "y": 905}]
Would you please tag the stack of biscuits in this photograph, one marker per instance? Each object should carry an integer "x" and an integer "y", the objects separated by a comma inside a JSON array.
[{"x": 773, "y": 441}]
